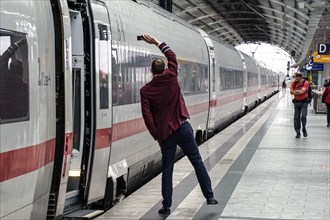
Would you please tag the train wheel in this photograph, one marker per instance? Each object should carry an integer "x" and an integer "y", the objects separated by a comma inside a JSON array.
[{"x": 246, "y": 110}]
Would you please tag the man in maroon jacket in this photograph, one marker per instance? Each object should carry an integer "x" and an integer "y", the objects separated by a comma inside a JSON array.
[{"x": 165, "y": 115}]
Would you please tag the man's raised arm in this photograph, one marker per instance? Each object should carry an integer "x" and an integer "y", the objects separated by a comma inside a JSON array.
[{"x": 166, "y": 50}]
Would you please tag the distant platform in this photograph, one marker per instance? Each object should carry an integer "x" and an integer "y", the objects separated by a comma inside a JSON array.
[{"x": 259, "y": 170}]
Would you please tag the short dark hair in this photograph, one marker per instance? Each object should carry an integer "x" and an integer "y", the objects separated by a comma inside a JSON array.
[{"x": 157, "y": 66}]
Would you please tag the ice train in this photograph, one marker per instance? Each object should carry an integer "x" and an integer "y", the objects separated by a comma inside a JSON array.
[{"x": 72, "y": 135}]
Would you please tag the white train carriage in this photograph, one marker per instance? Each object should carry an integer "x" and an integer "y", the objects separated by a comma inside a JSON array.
[
  {"x": 274, "y": 82},
  {"x": 72, "y": 136},
  {"x": 251, "y": 83},
  {"x": 269, "y": 82},
  {"x": 229, "y": 82},
  {"x": 264, "y": 88},
  {"x": 27, "y": 108}
]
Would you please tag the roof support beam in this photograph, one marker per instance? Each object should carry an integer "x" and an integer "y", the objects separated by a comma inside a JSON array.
[
  {"x": 283, "y": 14},
  {"x": 192, "y": 8},
  {"x": 297, "y": 11},
  {"x": 202, "y": 17}
]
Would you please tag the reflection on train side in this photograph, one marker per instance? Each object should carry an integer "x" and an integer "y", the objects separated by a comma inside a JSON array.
[{"x": 14, "y": 77}]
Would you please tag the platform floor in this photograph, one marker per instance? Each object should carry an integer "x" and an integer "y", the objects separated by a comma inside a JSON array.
[{"x": 259, "y": 170}]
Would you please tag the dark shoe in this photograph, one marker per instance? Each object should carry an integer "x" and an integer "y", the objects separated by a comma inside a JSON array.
[
  {"x": 327, "y": 125},
  {"x": 212, "y": 201},
  {"x": 304, "y": 132},
  {"x": 298, "y": 136},
  {"x": 164, "y": 211}
]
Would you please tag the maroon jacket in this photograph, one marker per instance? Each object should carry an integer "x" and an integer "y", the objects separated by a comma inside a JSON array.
[{"x": 163, "y": 106}]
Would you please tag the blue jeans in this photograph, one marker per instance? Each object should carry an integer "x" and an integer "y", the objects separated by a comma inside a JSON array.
[
  {"x": 300, "y": 113},
  {"x": 184, "y": 137}
]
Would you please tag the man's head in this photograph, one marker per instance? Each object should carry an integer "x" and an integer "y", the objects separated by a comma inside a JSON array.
[
  {"x": 157, "y": 66},
  {"x": 298, "y": 76}
]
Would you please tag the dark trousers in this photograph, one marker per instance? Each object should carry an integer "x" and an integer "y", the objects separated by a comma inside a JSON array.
[
  {"x": 300, "y": 116},
  {"x": 328, "y": 113},
  {"x": 185, "y": 139}
]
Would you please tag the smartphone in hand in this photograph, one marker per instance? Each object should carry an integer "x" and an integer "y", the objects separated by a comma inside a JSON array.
[{"x": 140, "y": 37}]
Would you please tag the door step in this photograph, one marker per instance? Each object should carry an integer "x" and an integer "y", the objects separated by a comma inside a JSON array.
[{"x": 83, "y": 214}]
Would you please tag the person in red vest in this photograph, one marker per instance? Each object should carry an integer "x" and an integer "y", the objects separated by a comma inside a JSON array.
[
  {"x": 165, "y": 115},
  {"x": 326, "y": 100},
  {"x": 299, "y": 88}
]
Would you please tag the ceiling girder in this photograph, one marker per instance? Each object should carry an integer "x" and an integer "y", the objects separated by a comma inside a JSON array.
[
  {"x": 192, "y": 8},
  {"x": 289, "y": 24}
]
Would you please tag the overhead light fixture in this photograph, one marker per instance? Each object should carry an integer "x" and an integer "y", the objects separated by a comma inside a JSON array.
[{"x": 301, "y": 5}]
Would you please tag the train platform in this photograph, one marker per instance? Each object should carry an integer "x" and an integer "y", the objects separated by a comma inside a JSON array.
[{"x": 259, "y": 170}]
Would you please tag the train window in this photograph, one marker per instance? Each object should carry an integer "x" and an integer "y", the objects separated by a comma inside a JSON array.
[
  {"x": 193, "y": 78},
  {"x": 130, "y": 71},
  {"x": 230, "y": 79},
  {"x": 14, "y": 77},
  {"x": 116, "y": 78},
  {"x": 252, "y": 79},
  {"x": 263, "y": 80},
  {"x": 104, "y": 66}
]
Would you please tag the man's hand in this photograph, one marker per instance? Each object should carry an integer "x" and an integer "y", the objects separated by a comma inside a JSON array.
[{"x": 150, "y": 39}]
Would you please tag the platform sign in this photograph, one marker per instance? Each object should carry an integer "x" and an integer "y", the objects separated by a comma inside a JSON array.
[
  {"x": 321, "y": 58},
  {"x": 323, "y": 49},
  {"x": 318, "y": 67}
]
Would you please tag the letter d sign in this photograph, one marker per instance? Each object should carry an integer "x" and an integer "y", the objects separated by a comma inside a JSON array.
[{"x": 323, "y": 49}]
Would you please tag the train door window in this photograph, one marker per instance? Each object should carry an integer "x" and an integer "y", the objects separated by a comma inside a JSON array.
[
  {"x": 14, "y": 77},
  {"x": 116, "y": 78},
  {"x": 204, "y": 79},
  {"x": 104, "y": 66},
  {"x": 194, "y": 77}
]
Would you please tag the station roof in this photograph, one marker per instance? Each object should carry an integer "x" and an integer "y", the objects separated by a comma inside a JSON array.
[{"x": 293, "y": 25}]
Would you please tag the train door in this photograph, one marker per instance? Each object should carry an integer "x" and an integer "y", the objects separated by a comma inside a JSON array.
[
  {"x": 78, "y": 103},
  {"x": 212, "y": 84},
  {"x": 85, "y": 49},
  {"x": 103, "y": 104},
  {"x": 63, "y": 57},
  {"x": 92, "y": 109},
  {"x": 260, "y": 71},
  {"x": 245, "y": 84}
]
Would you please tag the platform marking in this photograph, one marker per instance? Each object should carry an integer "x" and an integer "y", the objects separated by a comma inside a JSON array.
[
  {"x": 187, "y": 209},
  {"x": 228, "y": 183}
]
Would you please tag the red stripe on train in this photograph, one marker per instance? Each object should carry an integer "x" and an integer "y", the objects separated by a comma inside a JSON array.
[
  {"x": 129, "y": 128},
  {"x": 103, "y": 138},
  {"x": 25, "y": 160}
]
